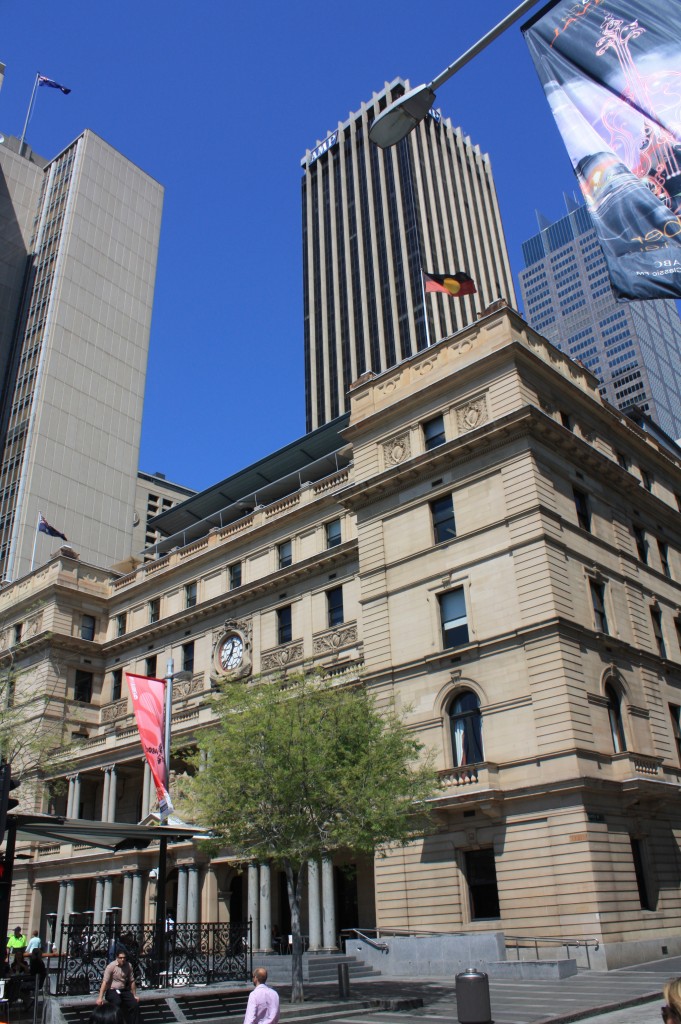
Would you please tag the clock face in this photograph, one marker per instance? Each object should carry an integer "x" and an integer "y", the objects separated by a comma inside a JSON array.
[{"x": 231, "y": 652}]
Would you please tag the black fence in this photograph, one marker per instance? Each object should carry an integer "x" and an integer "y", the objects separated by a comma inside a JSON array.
[{"x": 185, "y": 954}]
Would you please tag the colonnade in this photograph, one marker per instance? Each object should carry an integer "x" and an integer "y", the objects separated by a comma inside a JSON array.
[
  {"x": 109, "y": 793},
  {"x": 320, "y": 905}
]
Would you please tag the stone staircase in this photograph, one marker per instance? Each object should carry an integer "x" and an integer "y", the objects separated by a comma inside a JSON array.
[{"x": 324, "y": 968}]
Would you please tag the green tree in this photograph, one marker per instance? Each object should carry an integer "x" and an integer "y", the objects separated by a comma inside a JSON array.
[{"x": 301, "y": 767}]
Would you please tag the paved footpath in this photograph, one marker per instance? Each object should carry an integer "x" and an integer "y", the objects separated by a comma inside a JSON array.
[{"x": 629, "y": 996}]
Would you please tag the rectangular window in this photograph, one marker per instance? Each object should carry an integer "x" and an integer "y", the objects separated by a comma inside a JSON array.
[
  {"x": 656, "y": 618},
  {"x": 154, "y": 609},
  {"x": 121, "y": 624},
  {"x": 284, "y": 625},
  {"x": 663, "y": 551},
  {"x": 598, "y": 602},
  {"x": 333, "y": 533},
  {"x": 646, "y": 479},
  {"x": 623, "y": 460},
  {"x": 82, "y": 689},
  {"x": 434, "y": 433},
  {"x": 150, "y": 666},
  {"x": 582, "y": 508},
  {"x": 453, "y": 618},
  {"x": 675, "y": 712},
  {"x": 190, "y": 592},
  {"x": 234, "y": 571},
  {"x": 188, "y": 656},
  {"x": 116, "y": 683},
  {"x": 284, "y": 553},
  {"x": 644, "y": 892},
  {"x": 442, "y": 515},
  {"x": 334, "y": 606},
  {"x": 87, "y": 627},
  {"x": 17, "y": 632},
  {"x": 641, "y": 543},
  {"x": 481, "y": 876}
]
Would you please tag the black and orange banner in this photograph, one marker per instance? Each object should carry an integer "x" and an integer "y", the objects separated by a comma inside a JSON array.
[
  {"x": 612, "y": 75},
  {"x": 451, "y": 284}
]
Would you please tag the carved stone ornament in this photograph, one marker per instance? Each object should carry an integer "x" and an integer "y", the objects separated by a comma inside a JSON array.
[
  {"x": 186, "y": 687},
  {"x": 397, "y": 449},
  {"x": 112, "y": 712},
  {"x": 232, "y": 645},
  {"x": 282, "y": 656},
  {"x": 334, "y": 639},
  {"x": 471, "y": 415}
]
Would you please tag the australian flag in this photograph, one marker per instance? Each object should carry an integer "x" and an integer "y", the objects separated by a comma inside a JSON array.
[
  {"x": 44, "y": 527},
  {"x": 53, "y": 85}
]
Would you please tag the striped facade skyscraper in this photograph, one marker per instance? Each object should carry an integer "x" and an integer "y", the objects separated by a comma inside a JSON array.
[
  {"x": 373, "y": 220},
  {"x": 79, "y": 241},
  {"x": 633, "y": 347}
]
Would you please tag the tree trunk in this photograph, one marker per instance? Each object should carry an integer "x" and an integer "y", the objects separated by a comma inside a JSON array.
[{"x": 294, "y": 885}]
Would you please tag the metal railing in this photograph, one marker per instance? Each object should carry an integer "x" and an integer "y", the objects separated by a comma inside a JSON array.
[
  {"x": 519, "y": 942},
  {"x": 348, "y": 933}
]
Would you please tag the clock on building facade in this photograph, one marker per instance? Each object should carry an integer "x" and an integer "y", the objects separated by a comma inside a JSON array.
[{"x": 231, "y": 651}]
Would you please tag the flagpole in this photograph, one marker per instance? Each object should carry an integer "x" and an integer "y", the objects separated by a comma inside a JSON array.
[
  {"x": 425, "y": 311},
  {"x": 161, "y": 913},
  {"x": 35, "y": 541},
  {"x": 28, "y": 118}
]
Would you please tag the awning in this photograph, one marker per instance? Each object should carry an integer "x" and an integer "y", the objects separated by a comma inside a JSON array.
[{"x": 111, "y": 835}]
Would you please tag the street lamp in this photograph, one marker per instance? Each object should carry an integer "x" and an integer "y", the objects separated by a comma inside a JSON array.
[{"x": 402, "y": 116}]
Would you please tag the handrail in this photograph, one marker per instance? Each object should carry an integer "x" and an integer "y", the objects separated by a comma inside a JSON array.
[
  {"x": 349, "y": 932},
  {"x": 536, "y": 940}
]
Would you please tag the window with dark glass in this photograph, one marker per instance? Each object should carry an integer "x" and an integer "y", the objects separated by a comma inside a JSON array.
[
  {"x": 663, "y": 551},
  {"x": 116, "y": 683},
  {"x": 284, "y": 553},
  {"x": 645, "y": 892},
  {"x": 646, "y": 479},
  {"x": 481, "y": 876},
  {"x": 154, "y": 609},
  {"x": 190, "y": 594},
  {"x": 150, "y": 666},
  {"x": 82, "y": 689},
  {"x": 566, "y": 419},
  {"x": 656, "y": 619},
  {"x": 453, "y": 618},
  {"x": 623, "y": 460},
  {"x": 188, "y": 656},
  {"x": 17, "y": 632},
  {"x": 675, "y": 712},
  {"x": 434, "y": 432},
  {"x": 442, "y": 515},
  {"x": 333, "y": 533},
  {"x": 87, "y": 627},
  {"x": 334, "y": 606},
  {"x": 619, "y": 741},
  {"x": 598, "y": 602},
  {"x": 466, "y": 726},
  {"x": 284, "y": 625},
  {"x": 582, "y": 508},
  {"x": 121, "y": 623},
  {"x": 234, "y": 575},
  {"x": 641, "y": 543}
]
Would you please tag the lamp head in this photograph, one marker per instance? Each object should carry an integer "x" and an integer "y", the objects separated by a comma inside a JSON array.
[{"x": 402, "y": 116}]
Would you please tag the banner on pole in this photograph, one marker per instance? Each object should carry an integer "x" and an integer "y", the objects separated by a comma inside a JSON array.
[
  {"x": 612, "y": 77},
  {"x": 148, "y": 700}
]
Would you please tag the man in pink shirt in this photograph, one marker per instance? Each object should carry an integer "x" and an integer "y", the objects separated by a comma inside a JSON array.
[{"x": 263, "y": 1002}]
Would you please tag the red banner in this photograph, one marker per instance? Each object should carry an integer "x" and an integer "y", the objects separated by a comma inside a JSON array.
[{"x": 148, "y": 700}]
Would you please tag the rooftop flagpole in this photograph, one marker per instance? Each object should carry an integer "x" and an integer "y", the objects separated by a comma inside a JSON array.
[{"x": 28, "y": 113}]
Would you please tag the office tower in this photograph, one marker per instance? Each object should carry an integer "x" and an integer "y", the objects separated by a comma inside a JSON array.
[
  {"x": 372, "y": 221},
  {"x": 633, "y": 347},
  {"x": 155, "y": 495},
  {"x": 79, "y": 241}
]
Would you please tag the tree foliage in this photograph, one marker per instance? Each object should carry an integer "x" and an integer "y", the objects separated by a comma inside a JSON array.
[{"x": 301, "y": 767}]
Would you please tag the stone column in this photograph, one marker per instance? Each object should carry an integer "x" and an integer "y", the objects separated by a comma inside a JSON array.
[
  {"x": 113, "y": 778},
  {"x": 181, "y": 914},
  {"x": 254, "y": 903},
  {"x": 328, "y": 905},
  {"x": 314, "y": 908},
  {"x": 136, "y": 899},
  {"x": 68, "y": 904},
  {"x": 145, "y": 789},
  {"x": 69, "y": 799},
  {"x": 75, "y": 810},
  {"x": 105, "y": 793},
  {"x": 127, "y": 897},
  {"x": 193, "y": 915},
  {"x": 265, "y": 945},
  {"x": 61, "y": 904},
  {"x": 99, "y": 901},
  {"x": 108, "y": 889},
  {"x": 152, "y": 797}
]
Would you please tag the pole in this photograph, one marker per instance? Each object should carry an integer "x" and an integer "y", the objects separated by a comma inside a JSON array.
[
  {"x": 163, "y": 843},
  {"x": 28, "y": 114},
  {"x": 8, "y": 870},
  {"x": 35, "y": 542}
]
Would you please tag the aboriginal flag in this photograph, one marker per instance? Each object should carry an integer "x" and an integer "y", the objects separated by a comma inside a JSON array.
[{"x": 451, "y": 284}]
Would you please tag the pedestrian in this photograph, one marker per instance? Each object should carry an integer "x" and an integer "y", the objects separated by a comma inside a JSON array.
[
  {"x": 16, "y": 941},
  {"x": 671, "y": 1013},
  {"x": 118, "y": 988},
  {"x": 263, "y": 1002},
  {"x": 35, "y": 945}
]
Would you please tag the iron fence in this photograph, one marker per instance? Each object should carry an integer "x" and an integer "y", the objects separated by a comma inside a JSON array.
[{"x": 186, "y": 954}]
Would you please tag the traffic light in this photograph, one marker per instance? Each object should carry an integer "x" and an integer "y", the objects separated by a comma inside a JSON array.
[{"x": 7, "y": 784}]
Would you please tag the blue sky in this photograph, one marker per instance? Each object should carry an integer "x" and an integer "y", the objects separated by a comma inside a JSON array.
[{"x": 219, "y": 101}]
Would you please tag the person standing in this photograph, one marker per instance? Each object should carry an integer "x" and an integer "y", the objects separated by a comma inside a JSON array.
[
  {"x": 263, "y": 1002},
  {"x": 118, "y": 988},
  {"x": 15, "y": 942}
]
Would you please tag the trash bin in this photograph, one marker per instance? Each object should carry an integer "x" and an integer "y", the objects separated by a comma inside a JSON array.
[{"x": 472, "y": 997}]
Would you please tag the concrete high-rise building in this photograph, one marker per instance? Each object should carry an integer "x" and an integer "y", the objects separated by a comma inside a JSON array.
[
  {"x": 634, "y": 348},
  {"x": 372, "y": 221},
  {"x": 78, "y": 249}
]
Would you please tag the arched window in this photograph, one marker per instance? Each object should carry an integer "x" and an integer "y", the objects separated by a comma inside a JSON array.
[
  {"x": 619, "y": 741},
  {"x": 466, "y": 725}
]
